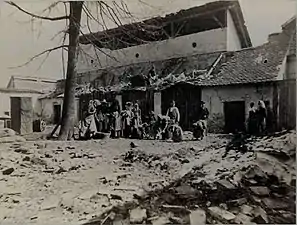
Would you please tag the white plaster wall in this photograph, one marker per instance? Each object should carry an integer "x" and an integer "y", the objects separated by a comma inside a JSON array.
[
  {"x": 5, "y": 100},
  {"x": 215, "y": 97},
  {"x": 207, "y": 42},
  {"x": 45, "y": 108},
  {"x": 233, "y": 41},
  {"x": 291, "y": 68}
]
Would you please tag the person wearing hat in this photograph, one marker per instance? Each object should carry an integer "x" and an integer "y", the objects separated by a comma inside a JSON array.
[{"x": 203, "y": 116}]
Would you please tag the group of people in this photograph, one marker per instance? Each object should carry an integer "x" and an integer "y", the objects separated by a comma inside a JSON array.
[
  {"x": 106, "y": 117},
  {"x": 260, "y": 119},
  {"x": 167, "y": 126}
]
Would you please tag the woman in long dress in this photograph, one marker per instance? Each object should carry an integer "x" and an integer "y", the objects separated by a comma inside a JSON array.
[
  {"x": 88, "y": 126},
  {"x": 252, "y": 119},
  {"x": 261, "y": 115},
  {"x": 116, "y": 123},
  {"x": 136, "y": 122},
  {"x": 127, "y": 116},
  {"x": 98, "y": 115}
]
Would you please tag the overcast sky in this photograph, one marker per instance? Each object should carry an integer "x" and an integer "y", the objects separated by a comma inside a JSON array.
[{"x": 21, "y": 40}]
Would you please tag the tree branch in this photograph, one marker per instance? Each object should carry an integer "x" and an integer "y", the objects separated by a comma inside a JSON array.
[
  {"x": 48, "y": 51},
  {"x": 37, "y": 16}
]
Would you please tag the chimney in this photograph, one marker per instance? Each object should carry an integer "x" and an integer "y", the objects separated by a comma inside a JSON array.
[{"x": 273, "y": 37}]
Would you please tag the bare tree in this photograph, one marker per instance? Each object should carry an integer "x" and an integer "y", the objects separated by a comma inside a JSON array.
[
  {"x": 74, "y": 17},
  {"x": 73, "y": 30}
]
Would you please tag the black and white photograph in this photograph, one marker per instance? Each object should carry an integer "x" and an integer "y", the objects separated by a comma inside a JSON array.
[{"x": 119, "y": 112}]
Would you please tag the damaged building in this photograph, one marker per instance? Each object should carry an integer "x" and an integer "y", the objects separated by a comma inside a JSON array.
[
  {"x": 203, "y": 53},
  {"x": 178, "y": 46},
  {"x": 266, "y": 72}
]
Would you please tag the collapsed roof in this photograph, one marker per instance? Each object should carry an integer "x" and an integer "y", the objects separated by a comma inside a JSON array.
[
  {"x": 197, "y": 19},
  {"x": 160, "y": 73}
]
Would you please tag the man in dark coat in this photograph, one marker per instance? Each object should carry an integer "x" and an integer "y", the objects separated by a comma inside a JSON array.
[{"x": 203, "y": 116}]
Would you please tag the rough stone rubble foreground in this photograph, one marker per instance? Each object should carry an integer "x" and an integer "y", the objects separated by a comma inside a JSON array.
[{"x": 108, "y": 181}]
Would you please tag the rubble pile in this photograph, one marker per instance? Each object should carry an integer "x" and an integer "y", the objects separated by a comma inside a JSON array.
[
  {"x": 160, "y": 162},
  {"x": 152, "y": 182},
  {"x": 259, "y": 191}
]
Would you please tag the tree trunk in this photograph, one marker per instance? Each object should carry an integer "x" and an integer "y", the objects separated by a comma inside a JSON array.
[{"x": 68, "y": 114}]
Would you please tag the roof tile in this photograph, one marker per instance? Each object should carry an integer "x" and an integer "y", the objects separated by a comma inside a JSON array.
[{"x": 252, "y": 65}]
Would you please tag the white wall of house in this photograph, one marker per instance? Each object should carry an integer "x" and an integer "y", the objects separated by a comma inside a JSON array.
[
  {"x": 5, "y": 100},
  {"x": 291, "y": 67},
  {"x": 214, "y": 98},
  {"x": 233, "y": 41},
  {"x": 45, "y": 108},
  {"x": 207, "y": 42}
]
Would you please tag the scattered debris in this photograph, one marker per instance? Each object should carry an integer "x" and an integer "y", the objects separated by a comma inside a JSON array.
[
  {"x": 115, "y": 197},
  {"x": 50, "y": 203},
  {"x": 220, "y": 214},
  {"x": 260, "y": 216},
  {"x": 8, "y": 171},
  {"x": 197, "y": 217},
  {"x": 41, "y": 145},
  {"x": 137, "y": 215},
  {"x": 260, "y": 190},
  {"x": 133, "y": 145}
]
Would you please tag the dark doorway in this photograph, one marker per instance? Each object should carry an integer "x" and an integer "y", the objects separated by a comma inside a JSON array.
[
  {"x": 15, "y": 105},
  {"x": 187, "y": 99},
  {"x": 234, "y": 116},
  {"x": 57, "y": 113},
  {"x": 145, "y": 99},
  {"x": 21, "y": 114}
]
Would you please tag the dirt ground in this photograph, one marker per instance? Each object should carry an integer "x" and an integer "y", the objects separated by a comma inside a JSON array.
[{"x": 48, "y": 182}]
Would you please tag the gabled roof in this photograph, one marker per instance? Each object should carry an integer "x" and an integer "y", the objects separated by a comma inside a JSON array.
[
  {"x": 254, "y": 65},
  {"x": 287, "y": 27},
  {"x": 197, "y": 19},
  {"x": 31, "y": 83}
]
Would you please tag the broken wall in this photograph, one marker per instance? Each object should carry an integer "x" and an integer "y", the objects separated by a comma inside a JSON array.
[
  {"x": 206, "y": 42},
  {"x": 214, "y": 98}
]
